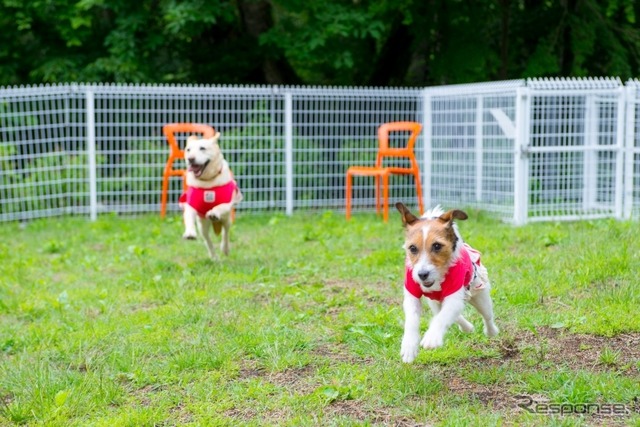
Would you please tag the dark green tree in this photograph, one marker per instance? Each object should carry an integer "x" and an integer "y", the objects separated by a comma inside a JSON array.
[{"x": 334, "y": 42}]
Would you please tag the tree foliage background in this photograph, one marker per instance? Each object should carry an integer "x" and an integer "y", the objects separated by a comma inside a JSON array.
[{"x": 329, "y": 42}]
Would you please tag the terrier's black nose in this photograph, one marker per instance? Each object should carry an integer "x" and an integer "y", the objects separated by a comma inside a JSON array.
[{"x": 423, "y": 276}]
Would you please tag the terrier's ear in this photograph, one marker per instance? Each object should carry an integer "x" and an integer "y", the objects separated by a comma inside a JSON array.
[
  {"x": 216, "y": 136},
  {"x": 407, "y": 217},
  {"x": 449, "y": 216}
]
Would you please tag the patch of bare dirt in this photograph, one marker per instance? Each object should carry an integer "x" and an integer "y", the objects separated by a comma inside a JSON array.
[
  {"x": 338, "y": 353},
  {"x": 142, "y": 307},
  {"x": 494, "y": 396},
  {"x": 577, "y": 351},
  {"x": 245, "y": 413},
  {"x": 266, "y": 417},
  {"x": 295, "y": 380},
  {"x": 180, "y": 414},
  {"x": 144, "y": 393},
  {"x": 6, "y": 399},
  {"x": 560, "y": 348},
  {"x": 497, "y": 397},
  {"x": 379, "y": 416}
]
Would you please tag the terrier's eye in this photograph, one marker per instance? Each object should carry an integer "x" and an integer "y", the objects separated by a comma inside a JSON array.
[
  {"x": 413, "y": 249},
  {"x": 188, "y": 149},
  {"x": 201, "y": 148},
  {"x": 436, "y": 247}
]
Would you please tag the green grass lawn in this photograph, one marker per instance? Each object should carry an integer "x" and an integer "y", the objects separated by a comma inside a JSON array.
[{"x": 121, "y": 323}]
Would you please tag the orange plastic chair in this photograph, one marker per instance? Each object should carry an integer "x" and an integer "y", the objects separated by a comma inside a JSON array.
[
  {"x": 177, "y": 154},
  {"x": 382, "y": 173}
]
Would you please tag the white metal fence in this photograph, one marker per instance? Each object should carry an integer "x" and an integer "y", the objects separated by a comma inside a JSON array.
[{"x": 524, "y": 149}]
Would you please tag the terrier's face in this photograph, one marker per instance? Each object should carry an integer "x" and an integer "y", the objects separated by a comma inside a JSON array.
[
  {"x": 431, "y": 243},
  {"x": 203, "y": 157}
]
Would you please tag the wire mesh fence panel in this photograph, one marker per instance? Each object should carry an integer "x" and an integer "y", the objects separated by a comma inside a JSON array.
[
  {"x": 472, "y": 145},
  {"x": 133, "y": 151},
  {"x": 575, "y": 149},
  {"x": 334, "y": 129},
  {"x": 42, "y": 153}
]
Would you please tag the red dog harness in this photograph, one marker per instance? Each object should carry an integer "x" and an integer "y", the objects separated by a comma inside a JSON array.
[
  {"x": 204, "y": 199},
  {"x": 459, "y": 274}
]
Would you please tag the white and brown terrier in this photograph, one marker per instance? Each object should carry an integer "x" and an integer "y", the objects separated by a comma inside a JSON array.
[
  {"x": 211, "y": 192},
  {"x": 445, "y": 270}
]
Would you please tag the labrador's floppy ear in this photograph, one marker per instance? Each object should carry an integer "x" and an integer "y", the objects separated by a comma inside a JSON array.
[{"x": 407, "y": 217}]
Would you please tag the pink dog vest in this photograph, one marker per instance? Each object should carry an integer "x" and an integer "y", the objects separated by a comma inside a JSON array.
[
  {"x": 460, "y": 274},
  {"x": 204, "y": 199}
]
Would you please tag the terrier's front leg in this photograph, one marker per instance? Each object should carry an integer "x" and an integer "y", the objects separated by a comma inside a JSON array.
[
  {"x": 411, "y": 338},
  {"x": 450, "y": 310}
]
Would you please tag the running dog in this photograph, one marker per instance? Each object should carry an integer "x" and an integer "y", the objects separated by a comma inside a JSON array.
[
  {"x": 447, "y": 272},
  {"x": 211, "y": 192}
]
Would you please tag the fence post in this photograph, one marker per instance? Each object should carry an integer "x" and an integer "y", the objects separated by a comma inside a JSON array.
[
  {"x": 629, "y": 146},
  {"x": 91, "y": 152},
  {"x": 479, "y": 148},
  {"x": 620, "y": 145},
  {"x": 272, "y": 152},
  {"x": 521, "y": 157},
  {"x": 288, "y": 152},
  {"x": 590, "y": 166},
  {"x": 427, "y": 163}
]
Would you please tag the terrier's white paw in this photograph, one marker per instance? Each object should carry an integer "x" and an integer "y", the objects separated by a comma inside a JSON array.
[
  {"x": 466, "y": 327},
  {"x": 189, "y": 235},
  {"x": 432, "y": 339},
  {"x": 491, "y": 331},
  {"x": 409, "y": 349}
]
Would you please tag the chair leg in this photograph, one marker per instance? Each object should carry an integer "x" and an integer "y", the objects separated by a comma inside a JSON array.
[
  {"x": 416, "y": 178},
  {"x": 385, "y": 196},
  {"x": 348, "y": 196},
  {"x": 377, "y": 194},
  {"x": 164, "y": 195}
]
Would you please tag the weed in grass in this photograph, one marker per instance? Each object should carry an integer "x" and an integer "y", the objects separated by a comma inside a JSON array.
[
  {"x": 488, "y": 375},
  {"x": 536, "y": 353},
  {"x": 508, "y": 346},
  {"x": 609, "y": 357}
]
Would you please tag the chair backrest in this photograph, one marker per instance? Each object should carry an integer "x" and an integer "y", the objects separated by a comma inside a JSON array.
[
  {"x": 383, "y": 140},
  {"x": 170, "y": 130}
]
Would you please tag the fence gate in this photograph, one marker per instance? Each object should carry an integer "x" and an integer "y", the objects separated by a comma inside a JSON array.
[
  {"x": 632, "y": 162},
  {"x": 470, "y": 132},
  {"x": 575, "y": 149}
]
